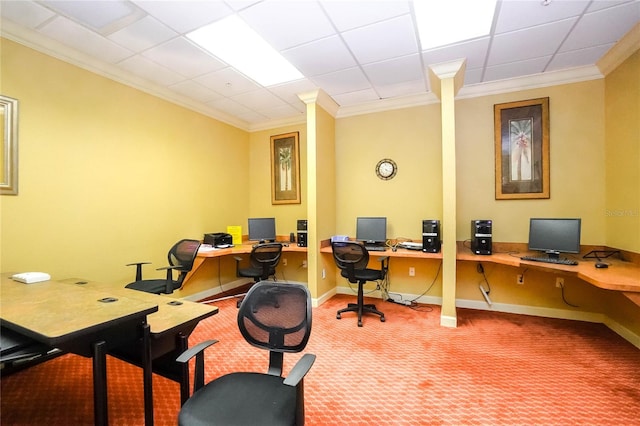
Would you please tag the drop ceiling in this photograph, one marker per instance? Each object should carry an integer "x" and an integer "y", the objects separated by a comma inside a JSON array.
[{"x": 364, "y": 54}]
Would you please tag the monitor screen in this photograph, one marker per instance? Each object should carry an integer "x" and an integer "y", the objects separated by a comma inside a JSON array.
[
  {"x": 554, "y": 236},
  {"x": 262, "y": 229},
  {"x": 371, "y": 229}
]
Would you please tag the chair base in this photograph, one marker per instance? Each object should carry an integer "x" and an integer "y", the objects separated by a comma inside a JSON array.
[{"x": 360, "y": 310}]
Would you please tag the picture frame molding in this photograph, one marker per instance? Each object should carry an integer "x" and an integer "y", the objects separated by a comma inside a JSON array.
[
  {"x": 285, "y": 168},
  {"x": 521, "y": 129}
]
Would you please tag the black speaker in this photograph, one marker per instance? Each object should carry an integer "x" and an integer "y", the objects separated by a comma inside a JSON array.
[
  {"x": 302, "y": 232},
  {"x": 481, "y": 234},
  {"x": 431, "y": 236}
]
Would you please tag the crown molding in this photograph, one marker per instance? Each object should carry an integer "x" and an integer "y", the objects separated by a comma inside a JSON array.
[{"x": 624, "y": 48}]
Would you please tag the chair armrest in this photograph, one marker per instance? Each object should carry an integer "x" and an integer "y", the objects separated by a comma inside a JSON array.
[
  {"x": 198, "y": 352},
  {"x": 237, "y": 258},
  {"x": 138, "y": 266},
  {"x": 300, "y": 370}
]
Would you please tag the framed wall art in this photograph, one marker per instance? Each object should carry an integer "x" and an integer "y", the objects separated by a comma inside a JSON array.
[
  {"x": 521, "y": 131},
  {"x": 285, "y": 169}
]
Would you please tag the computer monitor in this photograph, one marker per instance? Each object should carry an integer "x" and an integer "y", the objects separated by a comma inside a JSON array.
[
  {"x": 554, "y": 236},
  {"x": 371, "y": 230},
  {"x": 262, "y": 229}
]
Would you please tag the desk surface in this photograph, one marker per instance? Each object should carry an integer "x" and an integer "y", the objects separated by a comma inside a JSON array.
[
  {"x": 619, "y": 276},
  {"x": 52, "y": 312},
  {"x": 169, "y": 315}
]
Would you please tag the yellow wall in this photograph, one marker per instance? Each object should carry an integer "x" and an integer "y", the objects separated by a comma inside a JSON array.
[
  {"x": 411, "y": 137},
  {"x": 110, "y": 175},
  {"x": 260, "y": 181},
  {"x": 622, "y": 208}
]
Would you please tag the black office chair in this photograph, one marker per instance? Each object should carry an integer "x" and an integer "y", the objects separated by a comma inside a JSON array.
[
  {"x": 263, "y": 261},
  {"x": 352, "y": 258},
  {"x": 251, "y": 398},
  {"x": 181, "y": 257}
]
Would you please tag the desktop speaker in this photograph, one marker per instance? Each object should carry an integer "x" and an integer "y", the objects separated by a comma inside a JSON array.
[
  {"x": 302, "y": 233},
  {"x": 431, "y": 236},
  {"x": 481, "y": 234}
]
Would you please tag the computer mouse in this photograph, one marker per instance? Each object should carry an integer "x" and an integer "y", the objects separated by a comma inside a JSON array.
[
  {"x": 601, "y": 265},
  {"x": 394, "y": 248}
]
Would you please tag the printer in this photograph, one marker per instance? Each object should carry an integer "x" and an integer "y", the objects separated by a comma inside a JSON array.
[{"x": 218, "y": 239}]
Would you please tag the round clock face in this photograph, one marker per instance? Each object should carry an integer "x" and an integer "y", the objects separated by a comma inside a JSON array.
[{"x": 386, "y": 169}]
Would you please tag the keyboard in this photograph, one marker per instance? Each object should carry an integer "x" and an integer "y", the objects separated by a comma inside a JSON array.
[
  {"x": 547, "y": 259},
  {"x": 375, "y": 248}
]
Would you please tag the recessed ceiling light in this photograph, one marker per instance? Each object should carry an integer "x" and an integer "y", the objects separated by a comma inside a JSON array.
[
  {"x": 451, "y": 21},
  {"x": 237, "y": 44}
]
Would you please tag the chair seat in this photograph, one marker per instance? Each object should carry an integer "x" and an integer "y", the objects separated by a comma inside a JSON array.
[
  {"x": 152, "y": 286},
  {"x": 364, "y": 274},
  {"x": 218, "y": 403}
]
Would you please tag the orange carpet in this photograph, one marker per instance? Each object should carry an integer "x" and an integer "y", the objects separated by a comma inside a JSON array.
[{"x": 493, "y": 369}]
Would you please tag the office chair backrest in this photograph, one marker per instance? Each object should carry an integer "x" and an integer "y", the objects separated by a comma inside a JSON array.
[
  {"x": 183, "y": 253},
  {"x": 350, "y": 255},
  {"x": 266, "y": 257},
  {"x": 276, "y": 317}
]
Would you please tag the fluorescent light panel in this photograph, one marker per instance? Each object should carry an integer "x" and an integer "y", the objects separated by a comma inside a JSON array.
[
  {"x": 451, "y": 21},
  {"x": 235, "y": 43}
]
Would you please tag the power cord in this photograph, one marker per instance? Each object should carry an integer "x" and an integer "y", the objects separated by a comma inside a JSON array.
[{"x": 564, "y": 299}]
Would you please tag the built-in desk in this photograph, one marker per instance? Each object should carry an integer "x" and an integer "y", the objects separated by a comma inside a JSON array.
[
  {"x": 619, "y": 276},
  {"x": 206, "y": 254}
]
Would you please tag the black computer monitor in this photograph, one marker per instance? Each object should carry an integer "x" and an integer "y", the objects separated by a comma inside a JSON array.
[
  {"x": 262, "y": 229},
  {"x": 372, "y": 230},
  {"x": 554, "y": 236}
]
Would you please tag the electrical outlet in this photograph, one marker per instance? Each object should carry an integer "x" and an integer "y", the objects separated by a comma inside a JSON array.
[
  {"x": 284, "y": 261},
  {"x": 324, "y": 273},
  {"x": 520, "y": 279},
  {"x": 304, "y": 263},
  {"x": 412, "y": 271},
  {"x": 559, "y": 282}
]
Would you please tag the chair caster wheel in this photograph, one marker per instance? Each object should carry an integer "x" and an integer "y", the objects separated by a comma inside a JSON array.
[
  {"x": 382, "y": 319},
  {"x": 359, "y": 323},
  {"x": 338, "y": 316}
]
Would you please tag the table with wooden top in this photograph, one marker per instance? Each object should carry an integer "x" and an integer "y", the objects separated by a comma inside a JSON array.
[
  {"x": 170, "y": 328},
  {"x": 82, "y": 321}
]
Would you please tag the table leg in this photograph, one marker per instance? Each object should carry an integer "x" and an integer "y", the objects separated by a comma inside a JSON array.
[
  {"x": 147, "y": 371},
  {"x": 100, "y": 406},
  {"x": 182, "y": 343}
]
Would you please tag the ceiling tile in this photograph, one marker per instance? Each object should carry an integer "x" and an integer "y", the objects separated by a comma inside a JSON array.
[
  {"x": 258, "y": 99},
  {"x": 227, "y": 82},
  {"x": 185, "y": 15},
  {"x": 397, "y": 70},
  {"x": 347, "y": 15},
  {"x": 311, "y": 58},
  {"x": 144, "y": 67},
  {"x": 516, "y": 69},
  {"x": 86, "y": 41},
  {"x": 289, "y": 91},
  {"x": 25, "y": 13},
  {"x": 475, "y": 51},
  {"x": 578, "y": 58},
  {"x": 284, "y": 24},
  {"x": 101, "y": 16},
  {"x": 530, "y": 43},
  {"x": 358, "y": 97},
  {"x": 195, "y": 91},
  {"x": 377, "y": 42},
  {"x": 344, "y": 81},
  {"x": 604, "y": 26},
  {"x": 142, "y": 34},
  {"x": 184, "y": 57},
  {"x": 401, "y": 89},
  {"x": 516, "y": 15}
]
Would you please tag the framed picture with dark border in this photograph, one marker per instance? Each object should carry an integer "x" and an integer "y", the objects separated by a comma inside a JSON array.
[
  {"x": 521, "y": 131},
  {"x": 285, "y": 169}
]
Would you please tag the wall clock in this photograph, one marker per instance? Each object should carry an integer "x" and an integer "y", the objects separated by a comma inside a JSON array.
[{"x": 386, "y": 169}]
